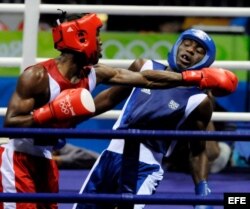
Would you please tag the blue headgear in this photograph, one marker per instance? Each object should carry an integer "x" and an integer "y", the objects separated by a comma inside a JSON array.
[{"x": 202, "y": 38}]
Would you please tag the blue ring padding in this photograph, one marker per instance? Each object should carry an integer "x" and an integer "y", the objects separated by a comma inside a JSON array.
[
  {"x": 125, "y": 134},
  {"x": 156, "y": 199}
]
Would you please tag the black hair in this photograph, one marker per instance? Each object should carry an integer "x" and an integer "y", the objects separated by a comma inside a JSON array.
[
  {"x": 65, "y": 17},
  {"x": 62, "y": 16}
]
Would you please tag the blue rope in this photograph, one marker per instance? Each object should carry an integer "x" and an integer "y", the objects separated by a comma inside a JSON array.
[
  {"x": 131, "y": 133},
  {"x": 156, "y": 199}
]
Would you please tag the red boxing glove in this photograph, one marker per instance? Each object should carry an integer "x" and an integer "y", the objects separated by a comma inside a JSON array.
[
  {"x": 69, "y": 103},
  {"x": 221, "y": 81}
]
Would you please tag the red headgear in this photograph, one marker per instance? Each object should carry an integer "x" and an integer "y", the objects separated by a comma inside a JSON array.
[{"x": 78, "y": 35}]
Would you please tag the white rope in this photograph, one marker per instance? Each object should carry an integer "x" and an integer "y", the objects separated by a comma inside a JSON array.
[
  {"x": 12, "y": 8},
  {"x": 150, "y": 10},
  {"x": 217, "y": 116},
  {"x": 231, "y": 116},
  {"x": 230, "y": 64},
  {"x": 134, "y": 10},
  {"x": 238, "y": 65},
  {"x": 11, "y": 61},
  {"x": 3, "y": 111}
]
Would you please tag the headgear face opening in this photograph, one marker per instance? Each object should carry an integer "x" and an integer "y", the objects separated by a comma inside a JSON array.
[
  {"x": 202, "y": 38},
  {"x": 78, "y": 35}
]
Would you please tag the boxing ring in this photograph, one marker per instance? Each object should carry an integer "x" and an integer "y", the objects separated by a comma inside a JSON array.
[{"x": 170, "y": 193}]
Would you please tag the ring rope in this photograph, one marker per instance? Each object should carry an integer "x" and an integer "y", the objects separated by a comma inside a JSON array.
[
  {"x": 134, "y": 10},
  {"x": 164, "y": 198},
  {"x": 230, "y": 64},
  {"x": 40, "y": 133},
  {"x": 216, "y": 116}
]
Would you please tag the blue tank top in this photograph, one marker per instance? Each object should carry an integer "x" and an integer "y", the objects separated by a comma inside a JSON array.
[{"x": 163, "y": 109}]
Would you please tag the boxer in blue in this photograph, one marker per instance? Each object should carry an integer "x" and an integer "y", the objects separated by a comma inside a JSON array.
[{"x": 177, "y": 108}]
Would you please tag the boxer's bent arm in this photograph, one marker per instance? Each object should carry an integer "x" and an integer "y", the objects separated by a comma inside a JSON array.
[{"x": 30, "y": 84}]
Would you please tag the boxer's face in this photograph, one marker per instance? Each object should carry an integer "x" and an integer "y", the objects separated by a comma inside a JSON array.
[{"x": 189, "y": 53}]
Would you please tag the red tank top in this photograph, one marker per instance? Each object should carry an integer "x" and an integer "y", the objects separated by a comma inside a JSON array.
[{"x": 51, "y": 67}]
